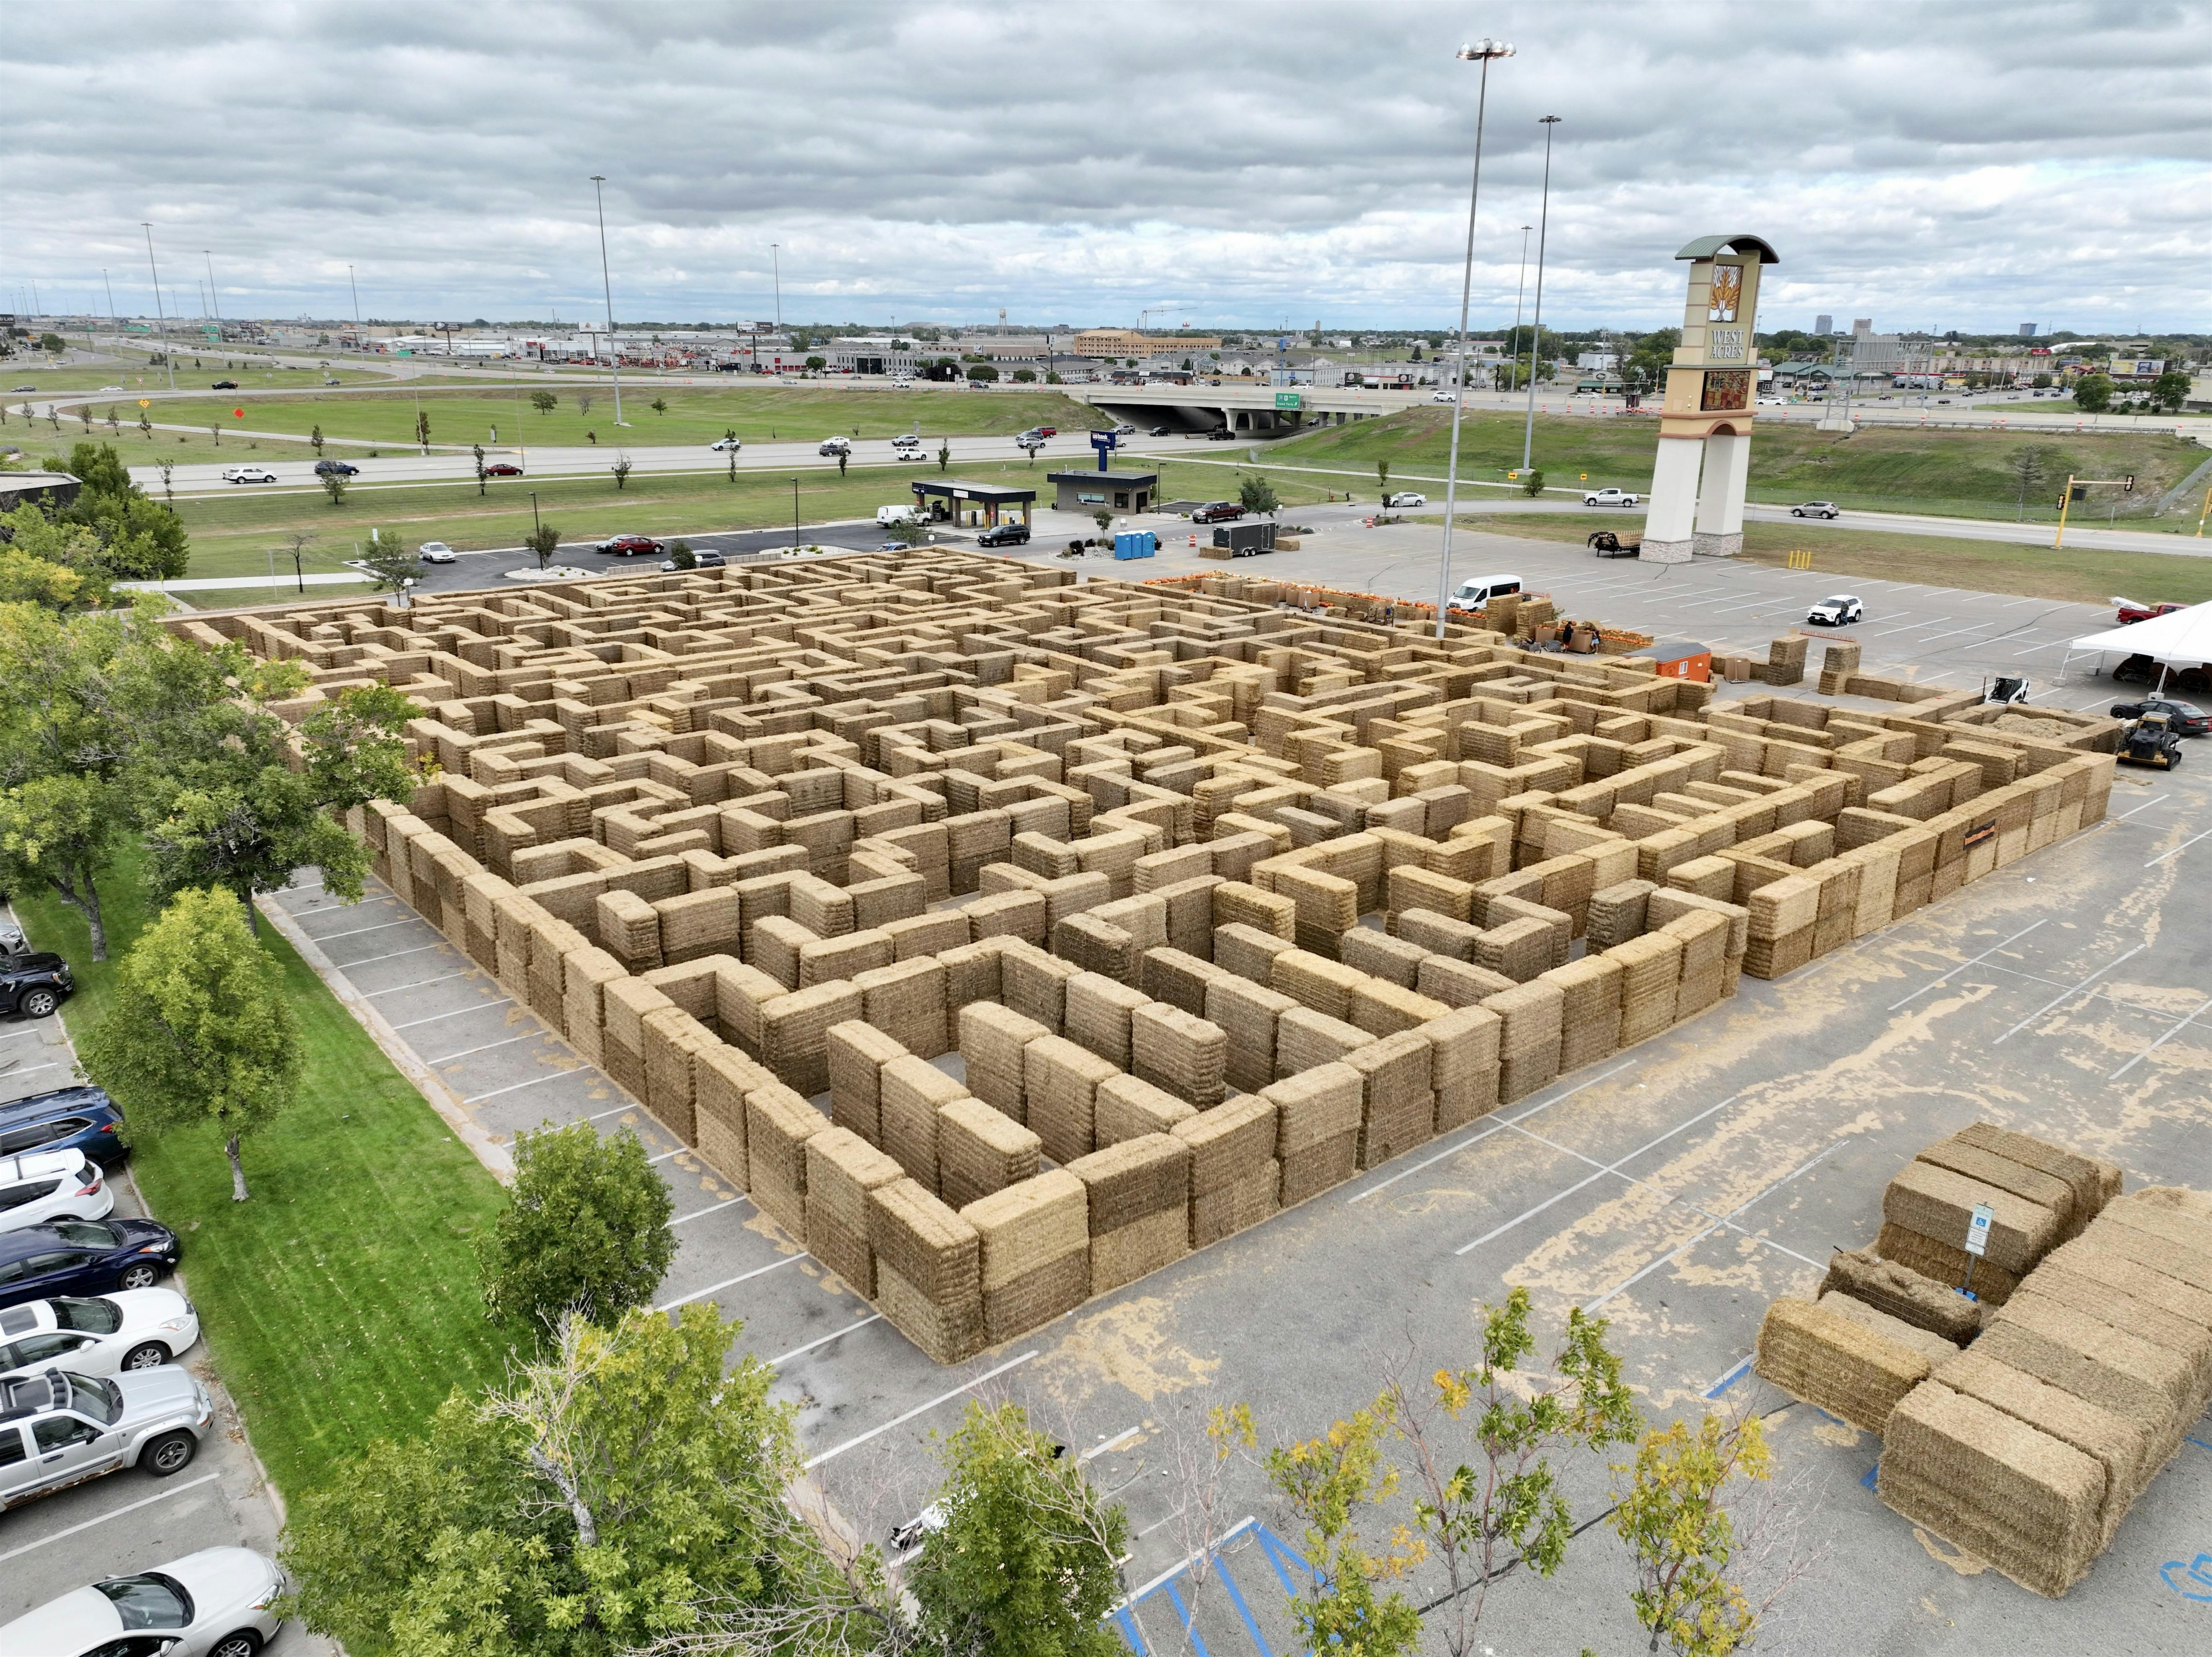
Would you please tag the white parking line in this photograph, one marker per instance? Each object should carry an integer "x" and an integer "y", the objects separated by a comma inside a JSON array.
[
  {"x": 33, "y": 1070},
  {"x": 1951, "y": 972},
  {"x": 480, "y": 1006},
  {"x": 2177, "y": 851},
  {"x": 133, "y": 1507},
  {"x": 464, "y": 1052},
  {"x": 783, "y": 1358},
  {"x": 385, "y": 926},
  {"x": 730, "y": 1283},
  {"x": 419, "y": 983},
  {"x": 1630, "y": 1283},
  {"x": 813, "y": 1462},
  {"x": 2145, "y": 806},
  {"x": 2156, "y": 1045},
  {"x": 712, "y": 1208},
  {"x": 348, "y": 965},
  {"x": 2064, "y": 993},
  {"x": 1487, "y": 1129},
  {"x": 550, "y": 1075}
]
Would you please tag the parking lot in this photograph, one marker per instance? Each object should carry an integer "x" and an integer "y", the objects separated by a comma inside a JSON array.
[
  {"x": 1675, "y": 1189},
  {"x": 129, "y": 1521}
]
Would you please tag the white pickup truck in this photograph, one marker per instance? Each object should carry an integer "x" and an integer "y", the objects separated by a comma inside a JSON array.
[{"x": 1610, "y": 497}]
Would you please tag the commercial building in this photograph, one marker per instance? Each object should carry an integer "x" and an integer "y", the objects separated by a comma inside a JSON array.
[
  {"x": 1114, "y": 491},
  {"x": 1128, "y": 342}
]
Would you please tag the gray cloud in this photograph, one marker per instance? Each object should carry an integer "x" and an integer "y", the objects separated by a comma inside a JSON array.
[{"x": 1945, "y": 163}]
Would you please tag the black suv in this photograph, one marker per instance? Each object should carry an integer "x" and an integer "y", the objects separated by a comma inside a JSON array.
[
  {"x": 334, "y": 469},
  {"x": 33, "y": 984},
  {"x": 1004, "y": 535}
]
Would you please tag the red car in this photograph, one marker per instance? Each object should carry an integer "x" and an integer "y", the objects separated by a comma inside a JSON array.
[
  {"x": 1047, "y": 431},
  {"x": 502, "y": 470},
  {"x": 630, "y": 546},
  {"x": 1217, "y": 512},
  {"x": 2131, "y": 612}
]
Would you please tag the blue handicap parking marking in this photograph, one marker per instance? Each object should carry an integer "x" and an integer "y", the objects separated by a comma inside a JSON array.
[{"x": 2192, "y": 1581}]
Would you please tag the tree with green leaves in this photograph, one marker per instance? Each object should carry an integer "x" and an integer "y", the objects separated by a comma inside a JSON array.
[
  {"x": 246, "y": 822},
  {"x": 334, "y": 485},
  {"x": 1257, "y": 495},
  {"x": 543, "y": 541},
  {"x": 1383, "y": 477},
  {"x": 681, "y": 555},
  {"x": 1495, "y": 1500},
  {"x": 1024, "y": 1564},
  {"x": 1532, "y": 482},
  {"x": 2171, "y": 389},
  {"x": 25, "y": 580},
  {"x": 422, "y": 428},
  {"x": 1674, "y": 1519},
  {"x": 198, "y": 1032},
  {"x": 591, "y": 1506},
  {"x": 586, "y": 1233},
  {"x": 140, "y": 539},
  {"x": 389, "y": 564},
  {"x": 544, "y": 402},
  {"x": 478, "y": 452},
  {"x": 620, "y": 469},
  {"x": 659, "y": 405},
  {"x": 356, "y": 747},
  {"x": 315, "y": 440},
  {"x": 2030, "y": 466},
  {"x": 2092, "y": 393},
  {"x": 944, "y": 452},
  {"x": 845, "y": 456},
  {"x": 1328, "y": 1481}
]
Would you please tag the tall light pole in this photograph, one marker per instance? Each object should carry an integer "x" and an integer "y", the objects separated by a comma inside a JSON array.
[
  {"x": 215, "y": 303},
  {"x": 1536, "y": 322},
  {"x": 161, "y": 326},
  {"x": 1519, "y": 287},
  {"x": 775, "y": 275},
  {"x": 114, "y": 322},
  {"x": 607, "y": 282},
  {"x": 1482, "y": 51},
  {"x": 359, "y": 337}
]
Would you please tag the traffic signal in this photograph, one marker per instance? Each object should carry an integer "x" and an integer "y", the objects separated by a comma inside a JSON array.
[
  {"x": 2128, "y": 486},
  {"x": 2081, "y": 492}
]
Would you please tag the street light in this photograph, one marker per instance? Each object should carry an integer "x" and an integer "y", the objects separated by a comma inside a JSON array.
[
  {"x": 1482, "y": 51},
  {"x": 607, "y": 283},
  {"x": 1520, "y": 288},
  {"x": 794, "y": 514},
  {"x": 1536, "y": 322},
  {"x": 161, "y": 326},
  {"x": 214, "y": 303},
  {"x": 776, "y": 274},
  {"x": 360, "y": 341}
]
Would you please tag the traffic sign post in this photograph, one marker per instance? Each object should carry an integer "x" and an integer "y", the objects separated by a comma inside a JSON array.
[{"x": 1978, "y": 1242}]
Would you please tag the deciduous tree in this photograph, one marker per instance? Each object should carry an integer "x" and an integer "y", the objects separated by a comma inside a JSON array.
[
  {"x": 586, "y": 1232},
  {"x": 199, "y": 1031},
  {"x": 1328, "y": 1481},
  {"x": 620, "y": 469},
  {"x": 544, "y": 402},
  {"x": 1257, "y": 495},
  {"x": 2092, "y": 393},
  {"x": 1674, "y": 1517}
]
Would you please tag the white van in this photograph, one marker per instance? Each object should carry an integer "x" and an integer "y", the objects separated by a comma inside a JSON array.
[
  {"x": 1474, "y": 594},
  {"x": 905, "y": 512}
]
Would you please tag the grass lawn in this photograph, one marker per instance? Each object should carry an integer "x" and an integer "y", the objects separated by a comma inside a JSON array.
[
  {"x": 2084, "y": 577},
  {"x": 195, "y": 371},
  {"x": 136, "y": 448},
  {"x": 696, "y": 413},
  {"x": 1891, "y": 468},
  {"x": 340, "y": 1303}
]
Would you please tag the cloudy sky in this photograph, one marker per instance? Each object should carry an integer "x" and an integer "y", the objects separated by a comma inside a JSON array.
[{"x": 1945, "y": 163}]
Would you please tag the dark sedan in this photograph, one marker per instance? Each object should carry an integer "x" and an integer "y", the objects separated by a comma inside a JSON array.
[
  {"x": 67, "y": 1118},
  {"x": 83, "y": 1257},
  {"x": 2186, "y": 719},
  {"x": 34, "y": 983},
  {"x": 224, "y": 385},
  {"x": 334, "y": 469}
]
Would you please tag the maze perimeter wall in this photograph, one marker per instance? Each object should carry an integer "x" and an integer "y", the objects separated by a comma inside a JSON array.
[{"x": 764, "y": 841}]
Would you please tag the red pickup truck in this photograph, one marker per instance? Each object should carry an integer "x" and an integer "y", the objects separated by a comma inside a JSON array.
[{"x": 2130, "y": 610}]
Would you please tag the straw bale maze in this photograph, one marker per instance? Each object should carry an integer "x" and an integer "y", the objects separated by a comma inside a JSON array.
[
  {"x": 2023, "y": 1424},
  {"x": 1007, "y": 938}
]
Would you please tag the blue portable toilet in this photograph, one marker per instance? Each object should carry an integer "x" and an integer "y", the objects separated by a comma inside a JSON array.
[{"x": 1135, "y": 543}]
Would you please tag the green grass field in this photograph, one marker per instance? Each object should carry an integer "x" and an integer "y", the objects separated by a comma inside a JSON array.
[
  {"x": 195, "y": 370},
  {"x": 340, "y": 1304},
  {"x": 138, "y": 448},
  {"x": 1956, "y": 473},
  {"x": 695, "y": 414},
  {"x": 2086, "y": 578}
]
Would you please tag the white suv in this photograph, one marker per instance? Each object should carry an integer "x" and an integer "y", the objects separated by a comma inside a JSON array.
[
  {"x": 57, "y": 1430},
  {"x": 52, "y": 1184},
  {"x": 249, "y": 474}
]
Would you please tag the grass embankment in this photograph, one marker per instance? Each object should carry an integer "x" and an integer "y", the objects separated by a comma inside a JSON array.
[
  {"x": 234, "y": 535},
  {"x": 136, "y": 448},
  {"x": 2082, "y": 577},
  {"x": 195, "y": 373},
  {"x": 1877, "y": 468},
  {"x": 696, "y": 413},
  {"x": 340, "y": 1303}
]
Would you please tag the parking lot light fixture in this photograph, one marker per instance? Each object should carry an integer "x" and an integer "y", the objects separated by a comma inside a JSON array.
[
  {"x": 1536, "y": 321},
  {"x": 1482, "y": 51},
  {"x": 607, "y": 284}
]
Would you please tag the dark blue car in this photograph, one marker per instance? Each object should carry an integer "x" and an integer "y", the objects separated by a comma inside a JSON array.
[
  {"x": 83, "y": 1257},
  {"x": 68, "y": 1119}
]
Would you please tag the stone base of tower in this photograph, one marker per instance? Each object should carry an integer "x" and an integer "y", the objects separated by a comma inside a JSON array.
[
  {"x": 1666, "y": 552},
  {"x": 1707, "y": 544}
]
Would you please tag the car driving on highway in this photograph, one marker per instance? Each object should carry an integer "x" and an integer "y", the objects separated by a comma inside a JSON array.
[
  {"x": 1815, "y": 509},
  {"x": 248, "y": 474},
  {"x": 1610, "y": 497}
]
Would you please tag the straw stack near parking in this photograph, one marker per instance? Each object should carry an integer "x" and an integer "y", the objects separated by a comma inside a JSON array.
[
  {"x": 1590, "y": 1016},
  {"x": 1528, "y": 1038},
  {"x": 1061, "y": 1080},
  {"x": 841, "y": 1170},
  {"x": 912, "y": 1090},
  {"x": 1036, "y": 1251},
  {"x": 929, "y": 1278},
  {"x": 980, "y": 1151},
  {"x": 1138, "y": 1192},
  {"x": 778, "y": 1125},
  {"x": 992, "y": 1039},
  {"x": 1398, "y": 1103},
  {"x": 856, "y": 1053},
  {"x": 1836, "y": 1364},
  {"x": 1128, "y": 1107},
  {"x": 1317, "y": 1121},
  {"x": 1248, "y": 1015},
  {"x": 1098, "y": 1013},
  {"x": 1650, "y": 981},
  {"x": 1236, "y": 1180},
  {"x": 1185, "y": 1055}
]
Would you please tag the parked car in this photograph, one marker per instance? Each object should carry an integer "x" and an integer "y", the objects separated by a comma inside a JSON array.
[
  {"x": 335, "y": 468},
  {"x": 224, "y": 385},
  {"x": 503, "y": 468},
  {"x": 708, "y": 558},
  {"x": 98, "y": 1334},
  {"x": 1004, "y": 535},
  {"x": 631, "y": 546},
  {"x": 1405, "y": 497},
  {"x": 1477, "y": 593},
  {"x": 1839, "y": 610},
  {"x": 34, "y": 983},
  {"x": 65, "y": 1119},
  {"x": 52, "y": 1184},
  {"x": 1217, "y": 512},
  {"x": 57, "y": 1430},
  {"x": 896, "y": 546},
  {"x": 2186, "y": 719},
  {"x": 2130, "y": 610},
  {"x": 436, "y": 552},
  {"x": 1610, "y": 497},
  {"x": 248, "y": 474},
  {"x": 836, "y": 445},
  {"x": 83, "y": 1257},
  {"x": 727, "y": 444},
  {"x": 1815, "y": 509},
  {"x": 215, "y": 1603}
]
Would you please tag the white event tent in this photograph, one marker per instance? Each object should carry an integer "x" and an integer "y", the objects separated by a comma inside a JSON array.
[{"x": 2180, "y": 638}]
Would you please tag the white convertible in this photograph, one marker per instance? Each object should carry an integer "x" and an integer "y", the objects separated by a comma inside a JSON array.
[{"x": 98, "y": 1334}]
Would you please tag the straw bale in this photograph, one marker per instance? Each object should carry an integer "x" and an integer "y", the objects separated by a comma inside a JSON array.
[
  {"x": 912, "y": 1089},
  {"x": 1529, "y": 1019},
  {"x": 627, "y": 1001},
  {"x": 2187, "y": 1232},
  {"x": 1667, "y": 906},
  {"x": 1008, "y": 914},
  {"x": 1229, "y": 1143},
  {"x": 1314, "y": 981},
  {"x": 906, "y": 1001},
  {"x": 1932, "y": 1347},
  {"x": 1937, "y": 1203},
  {"x": 1059, "y": 1085},
  {"x": 1396, "y": 1082},
  {"x": 1238, "y": 904},
  {"x": 1617, "y": 912},
  {"x": 1380, "y": 955},
  {"x": 1179, "y": 977},
  {"x": 1030, "y": 1225},
  {"x": 929, "y": 1245},
  {"x": 1381, "y": 1008},
  {"x": 841, "y": 1170},
  {"x": 1319, "y": 1168},
  {"x": 1235, "y": 1205},
  {"x": 2094, "y": 1258},
  {"x": 1519, "y": 949},
  {"x": 1944, "y": 1262},
  {"x": 980, "y": 1151},
  {"x": 1180, "y": 1052},
  {"x": 823, "y": 959},
  {"x": 1823, "y": 1358},
  {"x": 1783, "y": 907},
  {"x": 1034, "y": 984},
  {"x": 1037, "y": 1298},
  {"x": 1138, "y": 1177},
  {"x": 1314, "y": 1106},
  {"x": 775, "y": 945},
  {"x": 629, "y": 929},
  {"x": 740, "y": 993},
  {"x": 2096, "y": 1364},
  {"x": 1189, "y": 912},
  {"x": 2093, "y": 1183},
  {"x": 2180, "y": 1198},
  {"x": 1985, "y": 1481},
  {"x": 1990, "y": 1168},
  {"x": 1126, "y": 1106},
  {"x": 2110, "y": 1232},
  {"x": 1437, "y": 934},
  {"x": 1903, "y": 1293},
  {"x": 778, "y": 1125},
  {"x": 1304, "y": 1038},
  {"x": 1132, "y": 1251},
  {"x": 1589, "y": 1016},
  {"x": 855, "y": 1051},
  {"x": 795, "y": 1033},
  {"x": 672, "y": 1036},
  {"x": 1325, "y": 905},
  {"x": 586, "y": 974},
  {"x": 1248, "y": 952},
  {"x": 2187, "y": 1339},
  {"x": 947, "y": 1329},
  {"x": 971, "y": 974},
  {"x": 1099, "y": 946},
  {"x": 722, "y": 1076},
  {"x": 1099, "y": 1010},
  {"x": 992, "y": 1039},
  {"x": 1457, "y": 983},
  {"x": 2121, "y": 1447},
  {"x": 1250, "y": 1014}
]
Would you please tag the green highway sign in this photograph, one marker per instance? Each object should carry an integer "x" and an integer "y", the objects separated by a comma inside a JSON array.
[{"x": 1290, "y": 400}]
